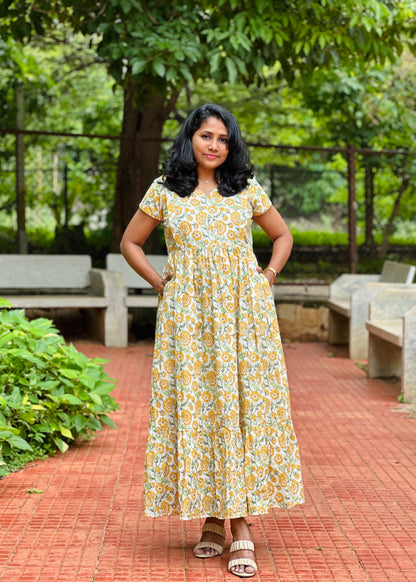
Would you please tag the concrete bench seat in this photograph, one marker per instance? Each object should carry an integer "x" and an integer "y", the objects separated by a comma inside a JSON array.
[
  {"x": 392, "y": 338},
  {"x": 349, "y": 299},
  {"x": 65, "y": 281}
]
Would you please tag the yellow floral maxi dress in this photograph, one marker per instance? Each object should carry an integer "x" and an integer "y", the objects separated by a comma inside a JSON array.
[{"x": 221, "y": 441}]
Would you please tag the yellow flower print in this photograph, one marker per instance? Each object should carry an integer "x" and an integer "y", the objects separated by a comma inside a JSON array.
[
  {"x": 164, "y": 384},
  {"x": 186, "y": 417},
  {"x": 210, "y": 378},
  {"x": 250, "y": 442},
  {"x": 219, "y": 227},
  {"x": 204, "y": 463},
  {"x": 267, "y": 491},
  {"x": 250, "y": 482},
  {"x": 206, "y": 503},
  {"x": 201, "y": 218},
  {"x": 282, "y": 414},
  {"x": 283, "y": 480},
  {"x": 169, "y": 327},
  {"x": 294, "y": 487},
  {"x": 186, "y": 505},
  {"x": 205, "y": 300},
  {"x": 185, "y": 377},
  {"x": 208, "y": 339},
  {"x": 243, "y": 367},
  {"x": 186, "y": 301},
  {"x": 149, "y": 498},
  {"x": 234, "y": 418},
  {"x": 170, "y": 365},
  {"x": 150, "y": 458},
  {"x": 225, "y": 434},
  {"x": 164, "y": 508},
  {"x": 197, "y": 235},
  {"x": 185, "y": 227},
  {"x": 236, "y": 217},
  {"x": 159, "y": 448},
  {"x": 206, "y": 396},
  {"x": 169, "y": 404}
]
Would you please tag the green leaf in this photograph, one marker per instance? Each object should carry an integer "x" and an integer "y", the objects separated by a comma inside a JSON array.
[
  {"x": 62, "y": 446},
  {"x": 109, "y": 421},
  {"x": 65, "y": 432},
  {"x": 138, "y": 66},
  {"x": 159, "y": 68},
  {"x": 19, "y": 443},
  {"x": 232, "y": 70},
  {"x": 70, "y": 399}
]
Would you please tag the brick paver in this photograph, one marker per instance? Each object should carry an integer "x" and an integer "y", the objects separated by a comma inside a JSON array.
[{"x": 359, "y": 464}]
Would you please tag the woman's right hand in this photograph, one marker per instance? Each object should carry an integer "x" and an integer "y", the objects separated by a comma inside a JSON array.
[{"x": 161, "y": 284}]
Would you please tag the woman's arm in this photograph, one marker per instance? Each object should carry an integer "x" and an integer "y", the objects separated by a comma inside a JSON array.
[
  {"x": 135, "y": 235},
  {"x": 277, "y": 230}
]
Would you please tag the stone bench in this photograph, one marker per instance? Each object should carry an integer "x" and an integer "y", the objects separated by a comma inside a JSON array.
[
  {"x": 139, "y": 293},
  {"x": 66, "y": 281},
  {"x": 349, "y": 298},
  {"x": 392, "y": 338}
]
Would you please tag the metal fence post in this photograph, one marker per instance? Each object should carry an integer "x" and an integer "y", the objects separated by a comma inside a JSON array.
[
  {"x": 22, "y": 243},
  {"x": 352, "y": 211}
]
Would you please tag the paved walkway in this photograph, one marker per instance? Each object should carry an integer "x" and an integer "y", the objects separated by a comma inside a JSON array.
[{"x": 359, "y": 464}]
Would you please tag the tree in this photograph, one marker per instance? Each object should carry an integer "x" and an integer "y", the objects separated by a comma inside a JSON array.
[
  {"x": 362, "y": 108},
  {"x": 155, "y": 48},
  {"x": 68, "y": 180}
]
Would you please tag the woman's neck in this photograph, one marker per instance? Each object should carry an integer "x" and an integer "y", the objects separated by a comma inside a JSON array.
[{"x": 206, "y": 178}]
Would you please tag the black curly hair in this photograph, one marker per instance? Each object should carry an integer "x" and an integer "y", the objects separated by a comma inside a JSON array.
[{"x": 180, "y": 170}]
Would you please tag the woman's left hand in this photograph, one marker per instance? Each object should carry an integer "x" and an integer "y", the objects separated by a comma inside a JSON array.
[{"x": 268, "y": 274}]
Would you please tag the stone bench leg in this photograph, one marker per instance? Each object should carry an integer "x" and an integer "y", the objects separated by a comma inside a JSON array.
[
  {"x": 384, "y": 358},
  {"x": 110, "y": 325},
  {"x": 338, "y": 328},
  {"x": 409, "y": 357}
]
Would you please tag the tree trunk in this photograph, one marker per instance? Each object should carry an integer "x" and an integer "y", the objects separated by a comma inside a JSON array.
[
  {"x": 139, "y": 154},
  {"x": 369, "y": 206}
]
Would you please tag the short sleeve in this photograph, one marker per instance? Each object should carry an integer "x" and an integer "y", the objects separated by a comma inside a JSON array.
[
  {"x": 152, "y": 202},
  {"x": 258, "y": 198}
]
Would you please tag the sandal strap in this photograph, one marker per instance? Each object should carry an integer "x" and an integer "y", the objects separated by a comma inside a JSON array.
[
  {"x": 214, "y": 528},
  {"x": 242, "y": 545},
  {"x": 242, "y": 562},
  {"x": 213, "y": 545}
]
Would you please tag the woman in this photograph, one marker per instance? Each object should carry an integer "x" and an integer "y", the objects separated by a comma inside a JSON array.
[{"x": 221, "y": 443}]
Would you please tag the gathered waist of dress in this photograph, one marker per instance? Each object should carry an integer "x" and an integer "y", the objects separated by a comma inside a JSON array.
[{"x": 239, "y": 249}]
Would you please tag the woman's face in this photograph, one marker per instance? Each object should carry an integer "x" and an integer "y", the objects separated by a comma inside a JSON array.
[{"x": 210, "y": 144}]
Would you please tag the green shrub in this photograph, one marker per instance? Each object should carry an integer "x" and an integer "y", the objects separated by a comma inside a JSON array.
[{"x": 50, "y": 394}]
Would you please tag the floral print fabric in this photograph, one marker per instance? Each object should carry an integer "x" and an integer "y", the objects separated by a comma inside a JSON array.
[{"x": 221, "y": 441}]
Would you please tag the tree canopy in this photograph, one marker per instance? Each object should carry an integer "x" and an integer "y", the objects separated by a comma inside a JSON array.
[{"x": 154, "y": 49}]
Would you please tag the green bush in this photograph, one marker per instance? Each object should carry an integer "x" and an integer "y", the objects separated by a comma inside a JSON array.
[{"x": 50, "y": 394}]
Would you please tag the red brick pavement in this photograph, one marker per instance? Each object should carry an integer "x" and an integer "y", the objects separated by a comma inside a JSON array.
[{"x": 359, "y": 467}]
